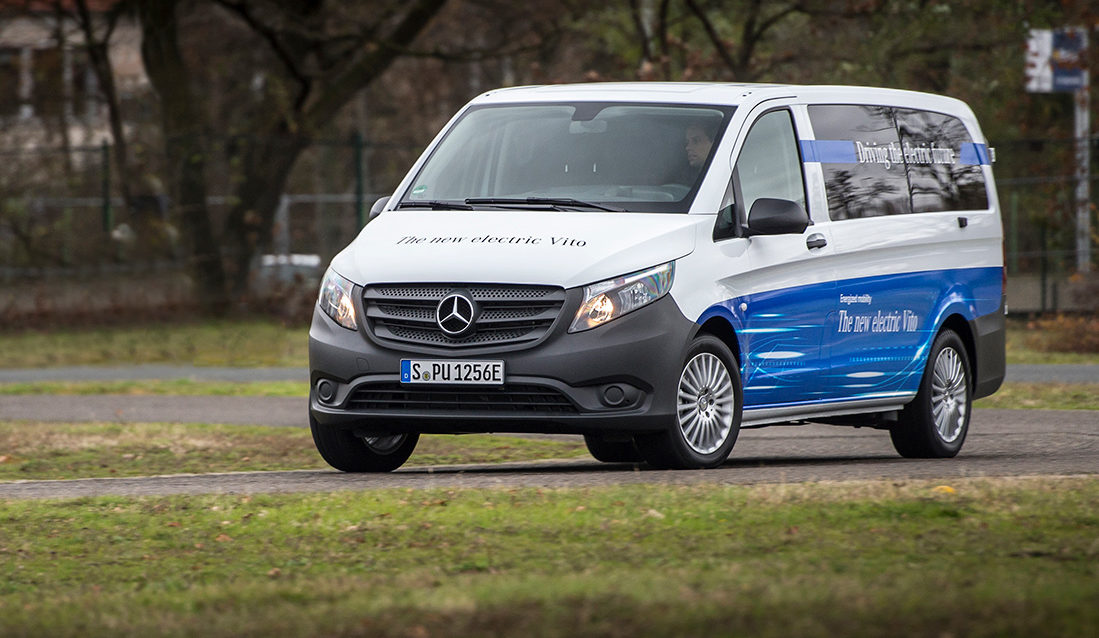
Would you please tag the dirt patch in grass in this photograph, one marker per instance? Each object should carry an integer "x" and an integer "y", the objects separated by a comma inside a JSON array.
[
  {"x": 1053, "y": 340},
  {"x": 977, "y": 557}
]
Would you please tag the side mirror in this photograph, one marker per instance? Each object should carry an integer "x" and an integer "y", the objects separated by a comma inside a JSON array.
[
  {"x": 776, "y": 217},
  {"x": 378, "y": 207}
]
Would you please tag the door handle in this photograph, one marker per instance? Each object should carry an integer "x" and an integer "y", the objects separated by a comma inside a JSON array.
[{"x": 816, "y": 240}]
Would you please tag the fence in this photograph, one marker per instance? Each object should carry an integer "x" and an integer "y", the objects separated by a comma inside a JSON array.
[{"x": 61, "y": 214}]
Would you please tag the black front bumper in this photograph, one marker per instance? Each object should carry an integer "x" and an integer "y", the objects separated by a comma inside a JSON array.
[{"x": 564, "y": 383}]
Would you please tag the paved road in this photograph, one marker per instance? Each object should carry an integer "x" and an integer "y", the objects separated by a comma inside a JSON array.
[
  {"x": 1001, "y": 443},
  {"x": 283, "y": 411},
  {"x": 1084, "y": 373}
]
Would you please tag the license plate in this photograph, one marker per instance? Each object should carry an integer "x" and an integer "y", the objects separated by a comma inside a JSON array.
[{"x": 449, "y": 371}]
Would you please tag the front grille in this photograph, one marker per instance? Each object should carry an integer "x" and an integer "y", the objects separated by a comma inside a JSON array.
[
  {"x": 508, "y": 313},
  {"x": 510, "y": 398}
]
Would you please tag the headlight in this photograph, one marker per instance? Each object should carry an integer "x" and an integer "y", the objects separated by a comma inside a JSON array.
[
  {"x": 613, "y": 298},
  {"x": 335, "y": 300}
]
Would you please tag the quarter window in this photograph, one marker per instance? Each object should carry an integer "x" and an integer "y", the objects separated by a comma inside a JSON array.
[
  {"x": 769, "y": 164},
  {"x": 939, "y": 172}
]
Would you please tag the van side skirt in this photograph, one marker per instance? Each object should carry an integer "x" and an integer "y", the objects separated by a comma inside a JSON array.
[{"x": 763, "y": 416}]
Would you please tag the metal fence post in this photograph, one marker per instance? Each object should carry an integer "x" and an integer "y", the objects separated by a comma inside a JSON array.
[
  {"x": 105, "y": 162},
  {"x": 360, "y": 212},
  {"x": 1013, "y": 235},
  {"x": 1043, "y": 264}
]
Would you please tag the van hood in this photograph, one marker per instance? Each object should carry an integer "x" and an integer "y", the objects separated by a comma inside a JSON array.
[{"x": 566, "y": 249}]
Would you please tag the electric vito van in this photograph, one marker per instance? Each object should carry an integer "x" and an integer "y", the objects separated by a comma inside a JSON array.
[{"x": 655, "y": 266}]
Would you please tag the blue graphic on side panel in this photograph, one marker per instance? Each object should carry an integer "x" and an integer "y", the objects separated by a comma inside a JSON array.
[
  {"x": 406, "y": 371},
  {"x": 858, "y": 338},
  {"x": 781, "y": 338}
]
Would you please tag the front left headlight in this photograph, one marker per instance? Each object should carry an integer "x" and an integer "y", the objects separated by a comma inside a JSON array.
[
  {"x": 335, "y": 300},
  {"x": 613, "y": 298}
]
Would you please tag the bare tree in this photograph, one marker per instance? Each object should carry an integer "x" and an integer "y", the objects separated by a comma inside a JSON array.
[
  {"x": 97, "y": 42},
  {"x": 325, "y": 53}
]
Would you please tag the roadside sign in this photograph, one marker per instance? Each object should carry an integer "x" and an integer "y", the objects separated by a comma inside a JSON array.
[{"x": 1055, "y": 60}]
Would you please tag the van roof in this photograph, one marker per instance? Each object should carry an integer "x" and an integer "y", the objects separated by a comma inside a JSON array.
[{"x": 732, "y": 94}]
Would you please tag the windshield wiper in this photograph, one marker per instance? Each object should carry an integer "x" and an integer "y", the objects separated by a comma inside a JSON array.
[
  {"x": 436, "y": 204},
  {"x": 541, "y": 201}
]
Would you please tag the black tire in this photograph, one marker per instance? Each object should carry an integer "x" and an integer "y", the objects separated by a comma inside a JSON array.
[
  {"x": 612, "y": 451},
  {"x": 934, "y": 425},
  {"x": 703, "y": 432},
  {"x": 348, "y": 453}
]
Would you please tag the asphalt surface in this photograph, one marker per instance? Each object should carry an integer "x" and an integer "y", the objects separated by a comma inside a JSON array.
[
  {"x": 1000, "y": 443},
  {"x": 279, "y": 411},
  {"x": 1060, "y": 373}
]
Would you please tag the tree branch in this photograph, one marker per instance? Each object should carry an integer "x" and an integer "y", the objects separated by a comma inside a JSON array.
[
  {"x": 642, "y": 32},
  {"x": 377, "y": 58},
  {"x": 715, "y": 37},
  {"x": 269, "y": 35},
  {"x": 100, "y": 58}
]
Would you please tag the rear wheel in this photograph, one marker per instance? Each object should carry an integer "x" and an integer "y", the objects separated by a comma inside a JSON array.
[
  {"x": 349, "y": 453},
  {"x": 708, "y": 411},
  {"x": 612, "y": 451},
  {"x": 935, "y": 424}
]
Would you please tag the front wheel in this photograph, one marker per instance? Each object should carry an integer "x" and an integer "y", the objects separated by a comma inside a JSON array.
[
  {"x": 934, "y": 425},
  {"x": 349, "y": 453},
  {"x": 708, "y": 411}
]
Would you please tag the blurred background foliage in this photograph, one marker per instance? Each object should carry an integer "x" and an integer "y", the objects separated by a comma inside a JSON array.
[{"x": 210, "y": 156}]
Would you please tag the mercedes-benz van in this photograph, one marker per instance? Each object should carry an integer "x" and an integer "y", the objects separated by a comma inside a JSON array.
[{"x": 655, "y": 266}]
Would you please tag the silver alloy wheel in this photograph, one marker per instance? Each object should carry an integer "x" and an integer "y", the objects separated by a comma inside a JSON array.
[
  {"x": 706, "y": 403},
  {"x": 384, "y": 444},
  {"x": 949, "y": 400}
]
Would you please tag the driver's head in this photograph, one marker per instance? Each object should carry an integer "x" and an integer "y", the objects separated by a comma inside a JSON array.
[{"x": 698, "y": 144}]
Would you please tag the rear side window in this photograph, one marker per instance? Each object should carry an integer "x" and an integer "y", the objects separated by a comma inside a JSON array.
[
  {"x": 885, "y": 161},
  {"x": 861, "y": 157}
]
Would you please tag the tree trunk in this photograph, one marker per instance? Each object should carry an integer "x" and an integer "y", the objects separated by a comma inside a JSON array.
[
  {"x": 100, "y": 58},
  {"x": 266, "y": 166},
  {"x": 183, "y": 141}
]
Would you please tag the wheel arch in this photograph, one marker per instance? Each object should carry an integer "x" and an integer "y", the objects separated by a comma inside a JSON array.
[
  {"x": 957, "y": 323},
  {"x": 720, "y": 327}
]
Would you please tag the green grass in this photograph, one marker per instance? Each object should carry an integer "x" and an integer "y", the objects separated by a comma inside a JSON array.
[
  {"x": 225, "y": 343},
  {"x": 268, "y": 343},
  {"x": 993, "y": 558},
  {"x": 1044, "y": 396},
  {"x": 57, "y": 451}
]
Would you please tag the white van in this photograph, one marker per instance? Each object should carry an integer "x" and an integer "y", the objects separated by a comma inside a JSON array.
[{"x": 655, "y": 266}]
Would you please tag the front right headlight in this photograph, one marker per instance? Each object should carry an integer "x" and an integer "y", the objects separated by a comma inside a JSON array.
[
  {"x": 335, "y": 300},
  {"x": 613, "y": 298}
]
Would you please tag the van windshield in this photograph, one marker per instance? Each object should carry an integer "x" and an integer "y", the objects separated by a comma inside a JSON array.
[{"x": 583, "y": 156}]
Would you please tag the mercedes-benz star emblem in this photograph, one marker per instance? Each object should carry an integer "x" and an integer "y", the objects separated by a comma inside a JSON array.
[{"x": 454, "y": 314}]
